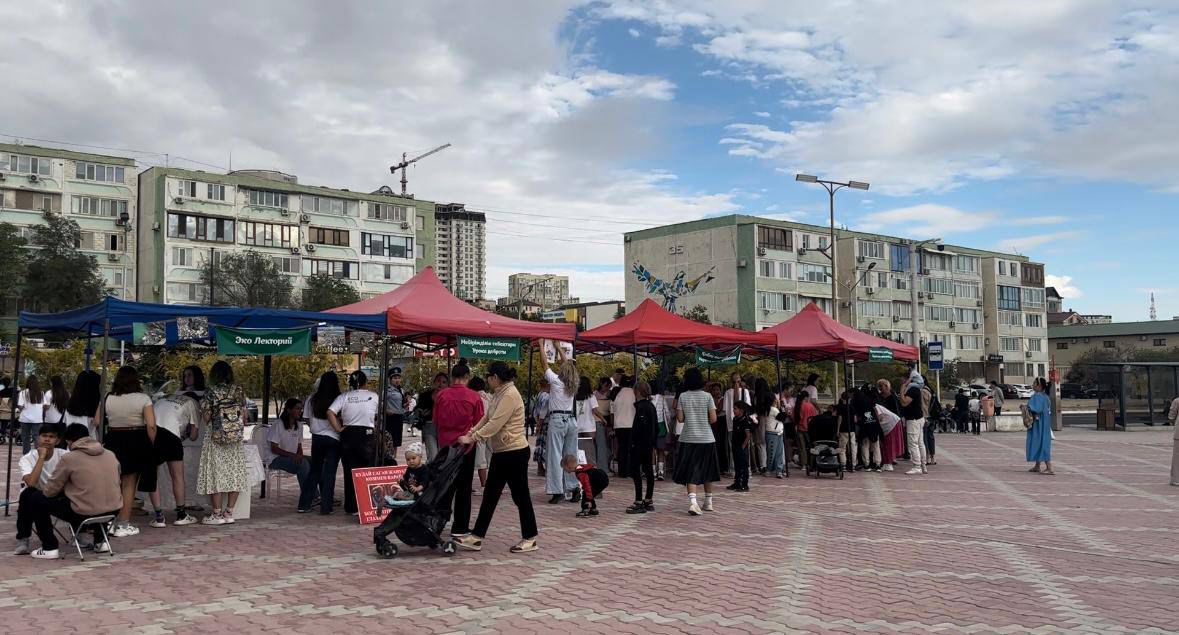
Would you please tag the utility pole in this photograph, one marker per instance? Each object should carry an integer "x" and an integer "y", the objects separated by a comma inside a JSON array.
[
  {"x": 212, "y": 271},
  {"x": 915, "y": 313}
]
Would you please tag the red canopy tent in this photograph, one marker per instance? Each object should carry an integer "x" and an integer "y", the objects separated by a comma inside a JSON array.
[
  {"x": 652, "y": 329},
  {"x": 423, "y": 311},
  {"x": 812, "y": 335}
]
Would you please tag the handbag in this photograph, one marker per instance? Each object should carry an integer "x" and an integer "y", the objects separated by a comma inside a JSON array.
[{"x": 1029, "y": 417}]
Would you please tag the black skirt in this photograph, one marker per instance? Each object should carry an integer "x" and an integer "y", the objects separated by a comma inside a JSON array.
[
  {"x": 135, "y": 453},
  {"x": 696, "y": 464}
]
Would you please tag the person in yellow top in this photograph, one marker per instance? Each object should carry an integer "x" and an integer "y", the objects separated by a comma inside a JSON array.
[{"x": 502, "y": 427}]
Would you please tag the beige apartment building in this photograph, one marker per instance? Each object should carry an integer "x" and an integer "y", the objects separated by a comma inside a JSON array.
[{"x": 1067, "y": 343}]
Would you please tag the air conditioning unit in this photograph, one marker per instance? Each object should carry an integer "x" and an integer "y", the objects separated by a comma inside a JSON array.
[
  {"x": 179, "y": 200},
  {"x": 155, "y": 289},
  {"x": 869, "y": 290},
  {"x": 309, "y": 248},
  {"x": 112, "y": 257},
  {"x": 1028, "y": 354},
  {"x": 404, "y": 225},
  {"x": 953, "y": 324},
  {"x": 920, "y": 295},
  {"x": 860, "y": 259},
  {"x": 978, "y": 303},
  {"x": 155, "y": 227},
  {"x": 974, "y": 326},
  {"x": 761, "y": 251},
  {"x": 741, "y": 264},
  {"x": 33, "y": 178},
  {"x": 304, "y": 218},
  {"x": 896, "y": 318},
  {"x": 284, "y": 212},
  {"x": 294, "y": 251},
  {"x": 925, "y": 272},
  {"x": 2, "y": 177}
]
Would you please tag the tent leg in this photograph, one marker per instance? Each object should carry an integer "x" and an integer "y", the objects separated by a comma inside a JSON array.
[
  {"x": 379, "y": 459},
  {"x": 635, "y": 361},
  {"x": 106, "y": 335},
  {"x": 12, "y": 422},
  {"x": 528, "y": 388},
  {"x": 778, "y": 368},
  {"x": 266, "y": 361},
  {"x": 89, "y": 352}
]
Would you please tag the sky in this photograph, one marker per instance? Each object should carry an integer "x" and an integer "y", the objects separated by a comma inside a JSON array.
[{"x": 1045, "y": 128}]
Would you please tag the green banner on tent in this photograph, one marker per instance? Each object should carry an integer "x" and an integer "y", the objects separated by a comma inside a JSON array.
[
  {"x": 501, "y": 348},
  {"x": 880, "y": 354},
  {"x": 263, "y": 341},
  {"x": 705, "y": 357}
]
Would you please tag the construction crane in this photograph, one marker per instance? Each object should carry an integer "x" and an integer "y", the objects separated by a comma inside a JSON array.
[{"x": 405, "y": 163}]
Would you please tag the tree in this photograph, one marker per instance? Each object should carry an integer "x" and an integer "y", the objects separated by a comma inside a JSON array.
[
  {"x": 327, "y": 292},
  {"x": 698, "y": 313},
  {"x": 13, "y": 265},
  {"x": 59, "y": 276},
  {"x": 247, "y": 279}
]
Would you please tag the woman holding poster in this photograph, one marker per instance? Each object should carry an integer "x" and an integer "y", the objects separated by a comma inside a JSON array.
[{"x": 561, "y": 426}]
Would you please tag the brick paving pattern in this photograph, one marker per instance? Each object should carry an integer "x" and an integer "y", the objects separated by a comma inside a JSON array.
[{"x": 978, "y": 546}]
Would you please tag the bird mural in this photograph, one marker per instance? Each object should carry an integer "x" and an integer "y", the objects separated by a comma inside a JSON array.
[{"x": 671, "y": 290}]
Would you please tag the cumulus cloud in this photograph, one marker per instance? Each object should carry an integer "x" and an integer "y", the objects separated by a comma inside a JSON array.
[
  {"x": 1023, "y": 244},
  {"x": 761, "y": 113},
  {"x": 925, "y": 221},
  {"x": 1064, "y": 286}
]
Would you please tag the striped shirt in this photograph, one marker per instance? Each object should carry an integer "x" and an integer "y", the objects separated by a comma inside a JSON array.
[{"x": 695, "y": 405}]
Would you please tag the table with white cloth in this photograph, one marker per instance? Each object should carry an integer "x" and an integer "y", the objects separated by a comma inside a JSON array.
[{"x": 192, "y": 463}]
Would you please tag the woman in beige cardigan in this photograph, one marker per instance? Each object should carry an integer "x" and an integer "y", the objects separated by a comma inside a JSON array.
[{"x": 502, "y": 426}]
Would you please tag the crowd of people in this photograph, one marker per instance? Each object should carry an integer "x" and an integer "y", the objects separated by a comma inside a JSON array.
[{"x": 692, "y": 430}]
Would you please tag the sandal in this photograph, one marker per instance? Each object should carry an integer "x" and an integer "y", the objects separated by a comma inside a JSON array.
[
  {"x": 1049, "y": 472},
  {"x": 470, "y": 543},
  {"x": 1034, "y": 470},
  {"x": 525, "y": 546}
]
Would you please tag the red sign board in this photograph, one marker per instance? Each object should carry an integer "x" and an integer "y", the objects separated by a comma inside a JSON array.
[{"x": 372, "y": 485}]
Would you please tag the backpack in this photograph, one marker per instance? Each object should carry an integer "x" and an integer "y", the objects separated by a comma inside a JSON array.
[{"x": 227, "y": 425}]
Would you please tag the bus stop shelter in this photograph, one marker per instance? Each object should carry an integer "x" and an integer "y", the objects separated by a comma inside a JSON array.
[{"x": 1135, "y": 392}]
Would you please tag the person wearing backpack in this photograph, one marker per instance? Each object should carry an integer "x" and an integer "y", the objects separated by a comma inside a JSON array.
[{"x": 222, "y": 474}]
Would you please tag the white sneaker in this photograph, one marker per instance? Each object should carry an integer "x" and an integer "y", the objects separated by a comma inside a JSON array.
[
  {"x": 913, "y": 471},
  {"x": 186, "y": 519},
  {"x": 46, "y": 554},
  {"x": 227, "y": 517},
  {"x": 924, "y": 471},
  {"x": 213, "y": 519},
  {"x": 158, "y": 522},
  {"x": 125, "y": 530},
  {"x": 708, "y": 505},
  {"x": 694, "y": 509},
  {"x": 102, "y": 547},
  {"x": 887, "y": 467}
]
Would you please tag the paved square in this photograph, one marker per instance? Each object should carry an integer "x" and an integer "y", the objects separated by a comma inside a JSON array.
[{"x": 978, "y": 546}]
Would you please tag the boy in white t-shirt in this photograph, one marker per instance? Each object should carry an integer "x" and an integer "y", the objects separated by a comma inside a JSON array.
[{"x": 36, "y": 468}]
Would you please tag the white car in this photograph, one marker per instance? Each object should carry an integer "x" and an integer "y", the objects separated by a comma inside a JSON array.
[
  {"x": 1023, "y": 391},
  {"x": 980, "y": 389}
]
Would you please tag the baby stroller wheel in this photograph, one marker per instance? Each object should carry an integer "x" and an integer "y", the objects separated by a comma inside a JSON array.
[
  {"x": 448, "y": 548},
  {"x": 387, "y": 550}
]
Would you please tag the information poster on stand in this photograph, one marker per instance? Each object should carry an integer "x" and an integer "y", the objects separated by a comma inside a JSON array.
[{"x": 372, "y": 485}]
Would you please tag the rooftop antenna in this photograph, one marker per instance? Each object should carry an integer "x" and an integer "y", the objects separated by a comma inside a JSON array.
[{"x": 1154, "y": 314}]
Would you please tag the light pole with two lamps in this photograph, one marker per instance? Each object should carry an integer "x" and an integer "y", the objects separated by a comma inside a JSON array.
[{"x": 832, "y": 187}]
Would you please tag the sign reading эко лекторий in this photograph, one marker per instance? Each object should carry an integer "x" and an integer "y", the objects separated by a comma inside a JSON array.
[
  {"x": 504, "y": 348},
  {"x": 263, "y": 341}
]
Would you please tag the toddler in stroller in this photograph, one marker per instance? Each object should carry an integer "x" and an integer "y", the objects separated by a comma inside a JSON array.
[
  {"x": 419, "y": 522},
  {"x": 824, "y": 434}
]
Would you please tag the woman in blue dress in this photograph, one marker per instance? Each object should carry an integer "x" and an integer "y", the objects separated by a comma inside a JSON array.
[{"x": 1039, "y": 442}]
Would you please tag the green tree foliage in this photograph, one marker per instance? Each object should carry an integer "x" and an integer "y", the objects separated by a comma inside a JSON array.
[
  {"x": 327, "y": 292},
  {"x": 698, "y": 313},
  {"x": 13, "y": 262},
  {"x": 247, "y": 279},
  {"x": 59, "y": 276}
]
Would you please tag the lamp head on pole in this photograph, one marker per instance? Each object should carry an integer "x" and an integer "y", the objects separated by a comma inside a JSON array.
[
  {"x": 806, "y": 178},
  {"x": 857, "y": 185}
]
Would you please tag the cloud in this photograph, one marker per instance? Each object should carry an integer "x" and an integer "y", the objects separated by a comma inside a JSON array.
[
  {"x": 1064, "y": 286},
  {"x": 761, "y": 113},
  {"x": 1023, "y": 221},
  {"x": 634, "y": 32},
  {"x": 927, "y": 220},
  {"x": 1023, "y": 244}
]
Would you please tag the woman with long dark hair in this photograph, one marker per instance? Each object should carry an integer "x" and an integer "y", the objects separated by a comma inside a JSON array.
[
  {"x": 696, "y": 460},
  {"x": 222, "y": 475},
  {"x": 83, "y": 403},
  {"x": 58, "y": 400},
  {"x": 192, "y": 379},
  {"x": 325, "y": 440},
  {"x": 457, "y": 408},
  {"x": 354, "y": 414},
  {"x": 1039, "y": 439},
  {"x": 131, "y": 436},
  {"x": 31, "y": 404},
  {"x": 286, "y": 446},
  {"x": 804, "y": 411},
  {"x": 585, "y": 410},
  {"x": 766, "y": 408}
]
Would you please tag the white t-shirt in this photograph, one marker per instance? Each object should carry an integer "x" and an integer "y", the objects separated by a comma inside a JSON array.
[
  {"x": 974, "y": 405},
  {"x": 727, "y": 403},
  {"x": 623, "y": 408},
  {"x": 175, "y": 412},
  {"x": 812, "y": 391},
  {"x": 31, "y": 412},
  {"x": 770, "y": 422},
  {"x": 317, "y": 425},
  {"x": 52, "y": 414},
  {"x": 288, "y": 440},
  {"x": 82, "y": 419},
  {"x": 29, "y": 461},
  {"x": 585, "y": 414},
  {"x": 559, "y": 400},
  {"x": 356, "y": 408}
]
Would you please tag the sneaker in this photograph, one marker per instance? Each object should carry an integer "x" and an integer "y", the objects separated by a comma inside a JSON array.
[
  {"x": 556, "y": 498},
  {"x": 694, "y": 509},
  {"x": 46, "y": 554},
  {"x": 158, "y": 521},
  {"x": 470, "y": 543},
  {"x": 659, "y": 476},
  {"x": 887, "y": 467},
  {"x": 649, "y": 506},
  {"x": 213, "y": 519},
  {"x": 734, "y": 486},
  {"x": 184, "y": 518},
  {"x": 586, "y": 513},
  {"x": 303, "y": 510},
  {"x": 913, "y": 471},
  {"x": 22, "y": 547},
  {"x": 708, "y": 505},
  {"x": 462, "y": 534},
  {"x": 102, "y": 547},
  {"x": 575, "y": 496},
  {"x": 744, "y": 488},
  {"x": 924, "y": 471},
  {"x": 227, "y": 516},
  {"x": 125, "y": 530},
  {"x": 778, "y": 475},
  {"x": 524, "y": 546},
  {"x": 637, "y": 508}
]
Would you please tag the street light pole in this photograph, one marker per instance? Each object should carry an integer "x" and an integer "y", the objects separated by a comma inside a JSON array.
[
  {"x": 915, "y": 312},
  {"x": 832, "y": 187}
]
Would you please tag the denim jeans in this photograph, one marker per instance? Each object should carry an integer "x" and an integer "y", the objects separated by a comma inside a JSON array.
[
  {"x": 430, "y": 440},
  {"x": 302, "y": 472},
  {"x": 28, "y": 435},
  {"x": 325, "y": 460},
  {"x": 561, "y": 441},
  {"x": 775, "y": 453}
]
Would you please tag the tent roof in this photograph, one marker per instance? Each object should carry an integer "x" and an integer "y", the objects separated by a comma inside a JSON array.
[
  {"x": 651, "y": 328},
  {"x": 814, "y": 335},
  {"x": 122, "y": 314},
  {"x": 424, "y": 311}
]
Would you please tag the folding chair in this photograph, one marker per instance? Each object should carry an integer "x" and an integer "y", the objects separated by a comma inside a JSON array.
[{"x": 100, "y": 521}]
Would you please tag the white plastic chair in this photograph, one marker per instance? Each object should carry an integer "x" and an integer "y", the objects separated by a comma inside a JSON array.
[{"x": 258, "y": 438}]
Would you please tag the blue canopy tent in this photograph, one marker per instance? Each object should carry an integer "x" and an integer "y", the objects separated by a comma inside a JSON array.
[{"x": 113, "y": 318}]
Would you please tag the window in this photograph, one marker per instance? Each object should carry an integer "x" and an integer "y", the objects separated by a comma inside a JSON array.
[
  {"x": 184, "y": 292},
  {"x": 325, "y": 205},
  {"x": 387, "y": 211},
  {"x": 215, "y": 192},
  {"x": 774, "y": 238},
  {"x": 386, "y": 246},
  {"x": 1033, "y": 298},
  {"x": 774, "y": 301},
  {"x": 966, "y": 264},
  {"x": 967, "y": 290},
  {"x": 940, "y": 286},
  {"x": 1013, "y": 269},
  {"x": 388, "y": 271},
  {"x": 806, "y": 241},
  {"x": 814, "y": 273},
  {"x": 271, "y": 235},
  {"x": 1109, "y": 344},
  {"x": 1015, "y": 369},
  {"x": 100, "y": 241},
  {"x": 1035, "y": 345},
  {"x": 873, "y": 308},
  {"x": 1033, "y": 320},
  {"x": 200, "y": 228},
  {"x": 182, "y": 257},
  {"x": 881, "y": 280},
  {"x": 420, "y": 223},
  {"x": 325, "y": 236},
  {"x": 970, "y": 342},
  {"x": 1033, "y": 275},
  {"x": 899, "y": 256},
  {"x": 1011, "y": 344},
  {"x": 1010, "y": 318},
  {"x": 266, "y": 198},
  {"x": 188, "y": 188},
  {"x": 823, "y": 242},
  {"x": 334, "y": 268},
  {"x": 287, "y": 264},
  {"x": 903, "y": 310},
  {"x": 935, "y": 261},
  {"x": 1160, "y": 341},
  {"x": 99, "y": 172},
  {"x": 823, "y": 303},
  {"x": 938, "y": 313},
  {"x": 1009, "y": 298},
  {"x": 26, "y": 165},
  {"x": 98, "y": 206},
  {"x": 968, "y": 316},
  {"x": 1002, "y": 267},
  {"x": 774, "y": 269},
  {"x": 871, "y": 249},
  {"x": 1062, "y": 346},
  {"x": 900, "y": 282}
]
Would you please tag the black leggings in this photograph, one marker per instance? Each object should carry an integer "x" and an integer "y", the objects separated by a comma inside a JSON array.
[
  {"x": 508, "y": 468},
  {"x": 624, "y": 460},
  {"x": 641, "y": 467},
  {"x": 356, "y": 450}
]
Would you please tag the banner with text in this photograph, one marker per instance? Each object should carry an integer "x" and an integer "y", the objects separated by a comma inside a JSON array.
[
  {"x": 372, "y": 485},
  {"x": 705, "y": 357},
  {"x": 263, "y": 341},
  {"x": 503, "y": 348},
  {"x": 880, "y": 354}
]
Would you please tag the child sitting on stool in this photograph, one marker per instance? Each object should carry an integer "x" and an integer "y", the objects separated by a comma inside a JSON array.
[{"x": 593, "y": 480}]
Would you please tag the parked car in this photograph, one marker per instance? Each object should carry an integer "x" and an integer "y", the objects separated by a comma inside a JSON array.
[
  {"x": 1023, "y": 391},
  {"x": 1099, "y": 392},
  {"x": 980, "y": 389},
  {"x": 1009, "y": 391},
  {"x": 1072, "y": 391}
]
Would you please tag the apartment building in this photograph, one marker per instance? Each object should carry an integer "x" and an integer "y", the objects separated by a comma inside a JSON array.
[
  {"x": 97, "y": 191},
  {"x": 987, "y": 308},
  {"x": 462, "y": 250},
  {"x": 548, "y": 290},
  {"x": 1069, "y": 342},
  {"x": 376, "y": 241}
]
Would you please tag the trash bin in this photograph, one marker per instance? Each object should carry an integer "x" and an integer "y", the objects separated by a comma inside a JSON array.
[{"x": 1106, "y": 418}]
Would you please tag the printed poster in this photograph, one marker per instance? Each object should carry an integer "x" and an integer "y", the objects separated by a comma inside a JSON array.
[{"x": 372, "y": 485}]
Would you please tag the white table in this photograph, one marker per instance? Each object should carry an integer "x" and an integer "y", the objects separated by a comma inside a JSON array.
[{"x": 192, "y": 461}]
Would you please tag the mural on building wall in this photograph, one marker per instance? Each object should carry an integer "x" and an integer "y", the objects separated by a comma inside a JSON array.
[{"x": 671, "y": 290}]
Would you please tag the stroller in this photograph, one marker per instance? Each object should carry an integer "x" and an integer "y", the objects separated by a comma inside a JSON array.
[
  {"x": 419, "y": 523},
  {"x": 825, "y": 457}
]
